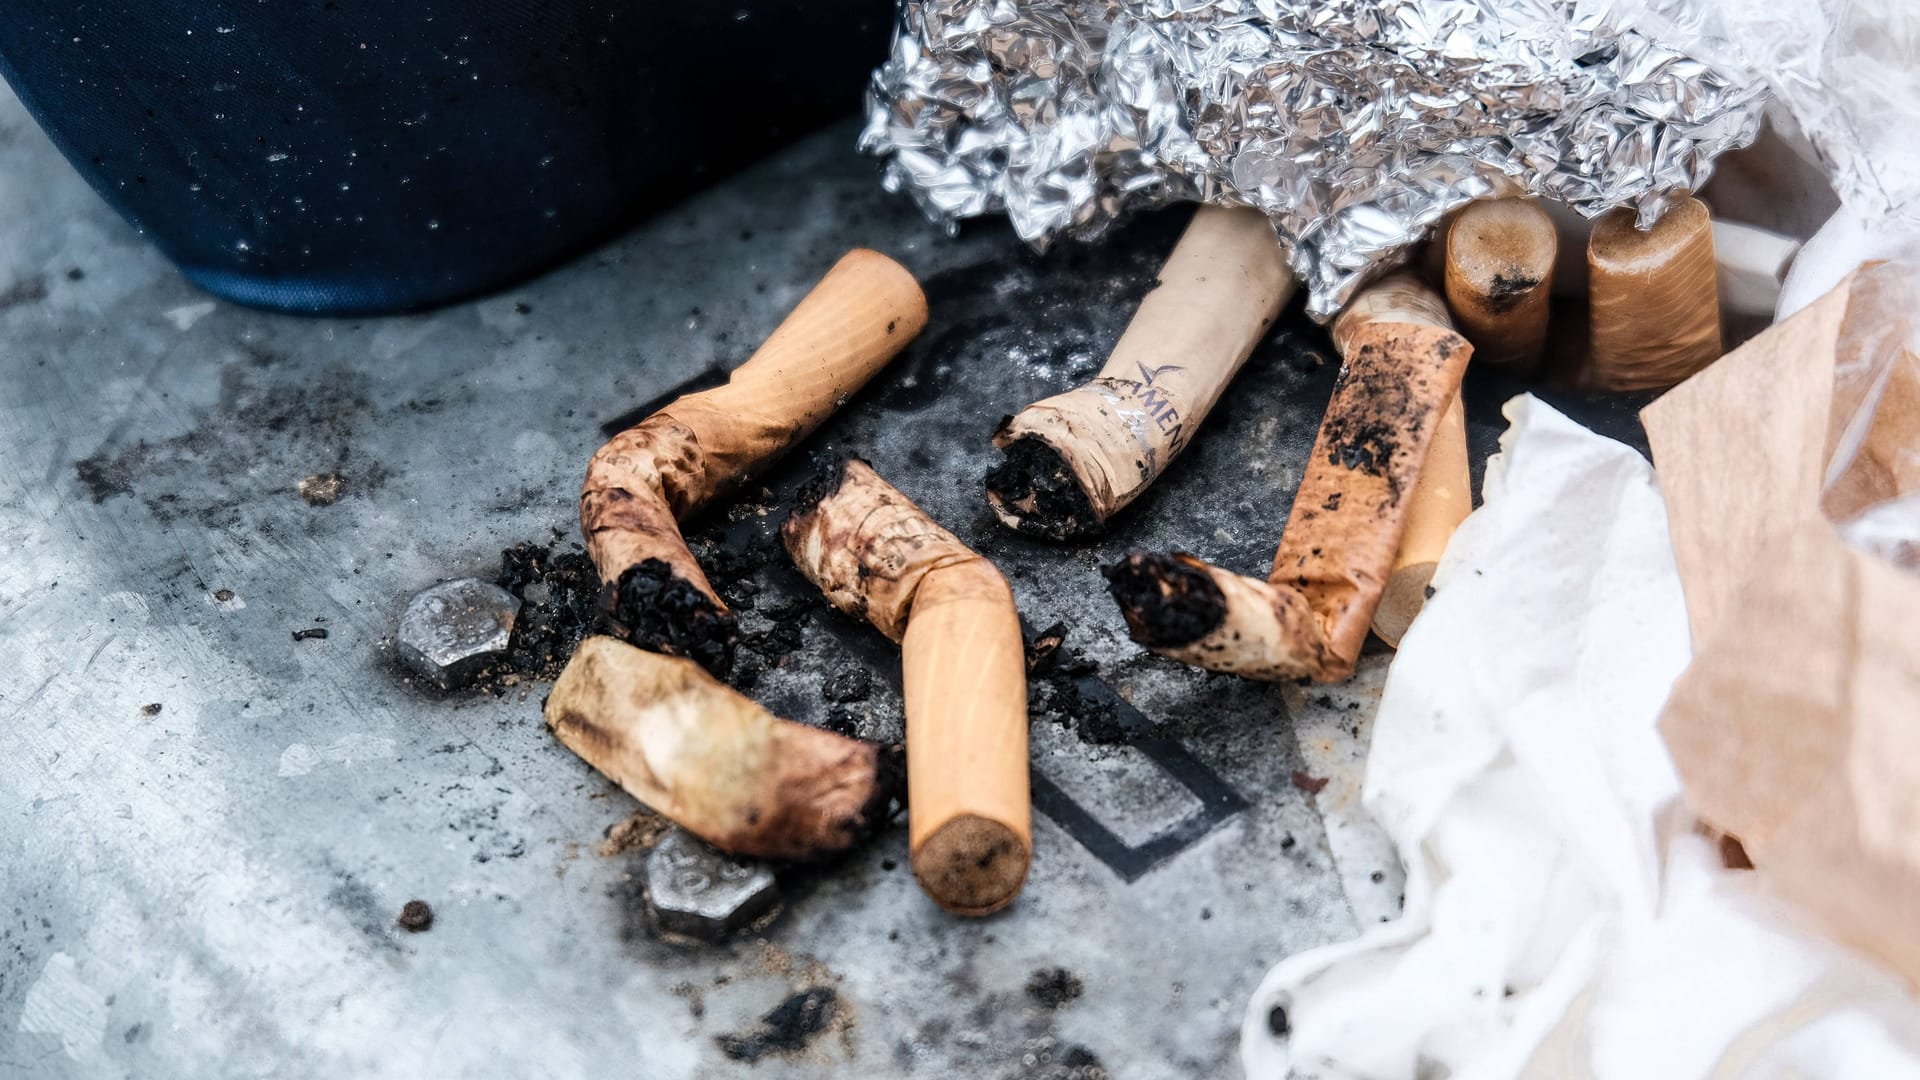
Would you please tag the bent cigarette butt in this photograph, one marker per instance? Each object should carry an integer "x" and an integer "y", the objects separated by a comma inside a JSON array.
[
  {"x": 1499, "y": 274},
  {"x": 1076, "y": 459},
  {"x": 719, "y": 765},
  {"x": 649, "y": 478},
  {"x": 1654, "y": 299},
  {"x": 1403, "y": 364},
  {"x": 877, "y": 556},
  {"x": 1442, "y": 499}
]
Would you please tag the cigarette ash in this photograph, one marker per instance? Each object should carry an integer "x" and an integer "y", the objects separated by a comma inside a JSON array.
[
  {"x": 266, "y": 439},
  {"x": 1166, "y": 602},
  {"x": 559, "y": 595},
  {"x": 1034, "y": 485},
  {"x": 791, "y": 1026},
  {"x": 1053, "y": 987},
  {"x": 1063, "y": 688},
  {"x": 663, "y": 613}
]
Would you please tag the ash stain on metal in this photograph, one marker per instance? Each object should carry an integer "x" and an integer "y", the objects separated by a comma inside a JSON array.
[
  {"x": 261, "y": 430},
  {"x": 1054, "y": 987},
  {"x": 363, "y": 910},
  {"x": 788, "y": 1027},
  {"x": 27, "y": 291}
]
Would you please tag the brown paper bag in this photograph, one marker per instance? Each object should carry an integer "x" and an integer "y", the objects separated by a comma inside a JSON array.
[{"x": 1797, "y": 726}]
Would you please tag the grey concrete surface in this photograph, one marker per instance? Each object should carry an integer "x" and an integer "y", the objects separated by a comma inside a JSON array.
[{"x": 208, "y": 828}]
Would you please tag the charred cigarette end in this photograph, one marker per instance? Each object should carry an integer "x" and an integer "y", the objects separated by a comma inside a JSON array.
[
  {"x": 821, "y": 486},
  {"x": 712, "y": 760},
  {"x": 972, "y": 865},
  {"x": 1033, "y": 491},
  {"x": 1169, "y": 601},
  {"x": 1186, "y": 610},
  {"x": 660, "y": 611}
]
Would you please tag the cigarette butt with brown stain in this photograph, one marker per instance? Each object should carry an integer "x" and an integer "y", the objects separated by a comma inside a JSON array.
[
  {"x": 1499, "y": 275},
  {"x": 1403, "y": 363},
  {"x": 712, "y": 760},
  {"x": 878, "y": 556},
  {"x": 1653, "y": 300},
  {"x": 1442, "y": 499},
  {"x": 652, "y": 476},
  {"x": 1076, "y": 459}
]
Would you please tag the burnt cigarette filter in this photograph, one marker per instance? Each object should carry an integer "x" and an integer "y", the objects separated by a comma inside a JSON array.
[
  {"x": 1653, "y": 299},
  {"x": 1076, "y": 459},
  {"x": 1402, "y": 367},
  {"x": 719, "y": 765},
  {"x": 649, "y": 478},
  {"x": 1499, "y": 275},
  {"x": 877, "y": 556}
]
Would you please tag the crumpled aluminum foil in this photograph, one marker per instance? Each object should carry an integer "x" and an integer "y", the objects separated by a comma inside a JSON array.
[{"x": 1354, "y": 124}]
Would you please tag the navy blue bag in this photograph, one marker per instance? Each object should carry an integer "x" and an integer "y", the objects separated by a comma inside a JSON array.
[{"x": 359, "y": 156}]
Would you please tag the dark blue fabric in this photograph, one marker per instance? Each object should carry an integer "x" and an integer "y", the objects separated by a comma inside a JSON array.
[{"x": 358, "y": 156}]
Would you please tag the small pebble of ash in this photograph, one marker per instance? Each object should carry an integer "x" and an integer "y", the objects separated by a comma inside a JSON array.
[
  {"x": 415, "y": 916},
  {"x": 847, "y": 685},
  {"x": 1053, "y": 987},
  {"x": 559, "y": 595},
  {"x": 1054, "y": 674},
  {"x": 323, "y": 489},
  {"x": 734, "y": 557}
]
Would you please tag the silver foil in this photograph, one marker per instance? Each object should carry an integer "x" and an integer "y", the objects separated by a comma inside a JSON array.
[{"x": 1354, "y": 124}]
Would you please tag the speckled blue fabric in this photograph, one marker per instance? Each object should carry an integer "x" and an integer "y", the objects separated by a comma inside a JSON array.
[{"x": 361, "y": 156}]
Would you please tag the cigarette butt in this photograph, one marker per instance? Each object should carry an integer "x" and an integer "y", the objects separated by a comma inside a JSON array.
[
  {"x": 722, "y": 767},
  {"x": 1076, "y": 459},
  {"x": 1654, "y": 299},
  {"x": 647, "y": 479},
  {"x": 877, "y": 556},
  {"x": 1442, "y": 499},
  {"x": 1499, "y": 273},
  {"x": 1403, "y": 363},
  {"x": 1431, "y": 258}
]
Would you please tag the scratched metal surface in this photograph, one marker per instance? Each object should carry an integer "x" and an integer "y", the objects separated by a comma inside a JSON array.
[{"x": 212, "y": 889}]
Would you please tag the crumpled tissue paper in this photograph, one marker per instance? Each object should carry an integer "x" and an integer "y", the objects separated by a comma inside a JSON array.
[{"x": 1564, "y": 917}]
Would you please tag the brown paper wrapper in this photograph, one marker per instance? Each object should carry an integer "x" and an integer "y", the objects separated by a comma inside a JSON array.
[{"x": 1797, "y": 727}]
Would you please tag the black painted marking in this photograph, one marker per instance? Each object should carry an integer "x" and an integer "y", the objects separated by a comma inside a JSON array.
[{"x": 1219, "y": 802}]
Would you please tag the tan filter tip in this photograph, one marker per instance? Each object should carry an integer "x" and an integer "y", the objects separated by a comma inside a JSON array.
[{"x": 972, "y": 865}]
